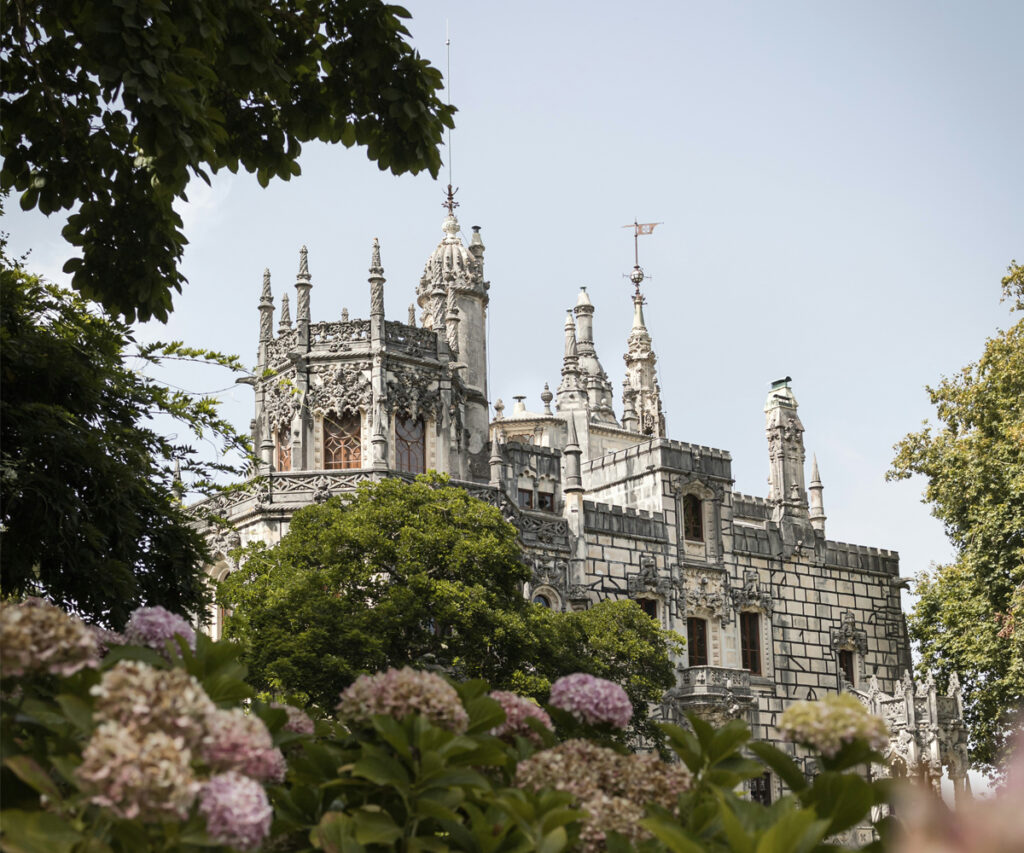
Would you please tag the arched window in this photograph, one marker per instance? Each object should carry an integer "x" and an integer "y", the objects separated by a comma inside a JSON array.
[
  {"x": 410, "y": 445},
  {"x": 542, "y": 600},
  {"x": 283, "y": 449},
  {"x": 693, "y": 518},
  {"x": 342, "y": 442}
]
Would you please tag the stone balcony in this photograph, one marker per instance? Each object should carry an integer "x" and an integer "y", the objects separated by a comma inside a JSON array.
[{"x": 714, "y": 693}]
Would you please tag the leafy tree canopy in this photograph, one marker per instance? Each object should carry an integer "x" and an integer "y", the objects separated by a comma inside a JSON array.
[
  {"x": 110, "y": 108},
  {"x": 970, "y": 615},
  {"x": 88, "y": 513},
  {"x": 404, "y": 573}
]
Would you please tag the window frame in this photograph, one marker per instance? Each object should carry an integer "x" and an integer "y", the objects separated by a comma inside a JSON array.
[
  {"x": 283, "y": 449},
  {"x": 751, "y": 652},
  {"x": 693, "y": 518},
  {"x": 850, "y": 656},
  {"x": 693, "y": 623},
  {"x": 407, "y": 444},
  {"x": 349, "y": 452}
]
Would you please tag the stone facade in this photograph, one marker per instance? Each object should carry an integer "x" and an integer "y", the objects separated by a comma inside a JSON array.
[{"x": 773, "y": 610}]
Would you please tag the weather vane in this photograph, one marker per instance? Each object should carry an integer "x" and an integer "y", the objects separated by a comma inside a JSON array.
[
  {"x": 637, "y": 275},
  {"x": 450, "y": 201}
]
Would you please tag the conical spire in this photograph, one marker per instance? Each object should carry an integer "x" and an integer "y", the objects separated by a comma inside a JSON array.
[
  {"x": 266, "y": 308},
  {"x": 302, "y": 288},
  {"x": 376, "y": 282},
  {"x": 285, "y": 323},
  {"x": 815, "y": 488},
  {"x": 572, "y": 394}
]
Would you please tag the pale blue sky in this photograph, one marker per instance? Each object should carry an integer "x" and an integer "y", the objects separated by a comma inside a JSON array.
[{"x": 840, "y": 186}]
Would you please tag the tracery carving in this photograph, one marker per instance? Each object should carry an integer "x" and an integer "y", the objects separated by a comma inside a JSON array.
[
  {"x": 751, "y": 595},
  {"x": 847, "y": 634},
  {"x": 342, "y": 388},
  {"x": 648, "y": 579},
  {"x": 281, "y": 400},
  {"x": 413, "y": 392},
  {"x": 706, "y": 589}
]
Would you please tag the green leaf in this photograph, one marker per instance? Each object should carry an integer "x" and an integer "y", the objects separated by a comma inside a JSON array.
[
  {"x": 844, "y": 798},
  {"x": 36, "y": 832},
  {"x": 795, "y": 832},
  {"x": 77, "y": 710},
  {"x": 382, "y": 771},
  {"x": 672, "y": 835},
  {"x": 781, "y": 763},
  {"x": 375, "y": 826},
  {"x": 28, "y": 770}
]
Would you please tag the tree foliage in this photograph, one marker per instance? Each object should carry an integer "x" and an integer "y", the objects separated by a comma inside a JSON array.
[
  {"x": 403, "y": 573},
  {"x": 970, "y": 615},
  {"x": 110, "y": 108},
  {"x": 87, "y": 485}
]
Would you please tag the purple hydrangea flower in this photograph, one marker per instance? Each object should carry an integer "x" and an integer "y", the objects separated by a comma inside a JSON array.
[
  {"x": 517, "y": 710},
  {"x": 236, "y": 809},
  {"x": 154, "y": 626},
  {"x": 592, "y": 700},
  {"x": 239, "y": 741},
  {"x": 298, "y": 721}
]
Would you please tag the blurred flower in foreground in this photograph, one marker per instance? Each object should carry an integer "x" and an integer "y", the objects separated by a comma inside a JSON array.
[
  {"x": 147, "y": 777},
  {"x": 592, "y": 700},
  {"x": 518, "y": 709},
  {"x": 401, "y": 692},
  {"x": 612, "y": 788},
  {"x": 154, "y": 626},
  {"x": 298, "y": 720},
  {"x": 828, "y": 725},
  {"x": 237, "y": 811},
  {"x": 35, "y": 636},
  {"x": 239, "y": 741}
]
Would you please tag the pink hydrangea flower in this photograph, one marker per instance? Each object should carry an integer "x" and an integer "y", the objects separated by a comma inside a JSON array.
[
  {"x": 298, "y": 720},
  {"x": 154, "y": 626},
  {"x": 592, "y": 700},
  {"x": 517, "y": 710},
  {"x": 401, "y": 692},
  {"x": 236, "y": 809},
  {"x": 238, "y": 741},
  {"x": 35, "y": 636}
]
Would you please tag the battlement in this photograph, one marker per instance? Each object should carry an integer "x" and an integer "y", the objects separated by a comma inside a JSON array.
[
  {"x": 543, "y": 461},
  {"x": 414, "y": 341},
  {"x": 625, "y": 521},
  {"x": 863, "y": 557},
  {"x": 750, "y": 507}
]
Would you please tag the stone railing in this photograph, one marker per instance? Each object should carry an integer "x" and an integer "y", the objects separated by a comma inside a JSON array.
[
  {"x": 343, "y": 336},
  {"x": 279, "y": 347},
  {"x": 421, "y": 343},
  {"x": 712, "y": 679}
]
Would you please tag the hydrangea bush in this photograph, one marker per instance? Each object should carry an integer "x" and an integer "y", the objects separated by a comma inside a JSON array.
[{"x": 155, "y": 742}]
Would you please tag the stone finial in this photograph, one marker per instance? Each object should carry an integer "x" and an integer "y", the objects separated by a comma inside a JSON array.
[
  {"x": 573, "y": 458},
  {"x": 499, "y": 409},
  {"x": 571, "y": 350},
  {"x": 412, "y": 315},
  {"x": 266, "y": 308},
  {"x": 265, "y": 295},
  {"x": 344, "y": 315},
  {"x": 286, "y": 317},
  {"x": 546, "y": 397},
  {"x": 302, "y": 288},
  {"x": 303, "y": 264},
  {"x": 520, "y": 406},
  {"x": 376, "y": 268}
]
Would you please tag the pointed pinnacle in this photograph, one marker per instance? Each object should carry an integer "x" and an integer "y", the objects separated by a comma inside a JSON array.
[
  {"x": 265, "y": 295},
  {"x": 303, "y": 264},
  {"x": 286, "y": 316},
  {"x": 815, "y": 476},
  {"x": 376, "y": 268}
]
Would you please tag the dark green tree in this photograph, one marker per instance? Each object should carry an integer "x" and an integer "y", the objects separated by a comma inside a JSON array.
[
  {"x": 110, "y": 108},
  {"x": 402, "y": 574},
  {"x": 87, "y": 484},
  {"x": 969, "y": 618}
]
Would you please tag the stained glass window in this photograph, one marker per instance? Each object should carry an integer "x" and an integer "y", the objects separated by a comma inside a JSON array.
[
  {"x": 410, "y": 445},
  {"x": 342, "y": 442}
]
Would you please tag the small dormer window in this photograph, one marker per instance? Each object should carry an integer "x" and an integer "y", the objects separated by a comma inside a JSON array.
[{"x": 693, "y": 518}]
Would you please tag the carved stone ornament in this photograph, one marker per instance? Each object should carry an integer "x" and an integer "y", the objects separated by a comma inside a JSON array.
[
  {"x": 343, "y": 389},
  {"x": 647, "y": 579},
  {"x": 281, "y": 400},
  {"x": 751, "y": 594},
  {"x": 552, "y": 573},
  {"x": 706, "y": 589},
  {"x": 413, "y": 391},
  {"x": 847, "y": 634},
  {"x": 223, "y": 541}
]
